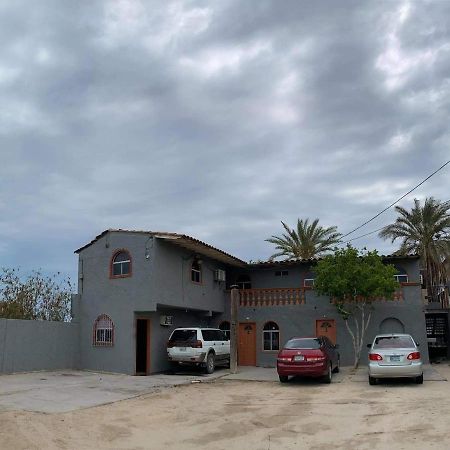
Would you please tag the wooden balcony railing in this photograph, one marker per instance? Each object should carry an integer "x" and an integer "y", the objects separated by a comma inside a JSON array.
[{"x": 271, "y": 297}]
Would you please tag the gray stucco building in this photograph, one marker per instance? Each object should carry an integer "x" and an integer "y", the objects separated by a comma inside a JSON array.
[{"x": 135, "y": 287}]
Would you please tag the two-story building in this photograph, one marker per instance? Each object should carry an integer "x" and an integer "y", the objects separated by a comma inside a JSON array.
[{"x": 135, "y": 287}]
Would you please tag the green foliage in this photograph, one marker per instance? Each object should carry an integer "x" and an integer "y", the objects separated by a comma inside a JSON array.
[
  {"x": 424, "y": 230},
  {"x": 35, "y": 297},
  {"x": 354, "y": 280},
  {"x": 353, "y": 276},
  {"x": 307, "y": 241}
]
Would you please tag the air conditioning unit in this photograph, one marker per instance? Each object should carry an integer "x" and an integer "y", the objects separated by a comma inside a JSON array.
[
  {"x": 166, "y": 321},
  {"x": 219, "y": 275}
]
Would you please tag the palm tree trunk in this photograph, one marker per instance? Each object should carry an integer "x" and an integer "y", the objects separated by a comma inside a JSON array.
[{"x": 428, "y": 277}]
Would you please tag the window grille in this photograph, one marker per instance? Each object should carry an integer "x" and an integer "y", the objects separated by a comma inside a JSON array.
[{"x": 103, "y": 332}]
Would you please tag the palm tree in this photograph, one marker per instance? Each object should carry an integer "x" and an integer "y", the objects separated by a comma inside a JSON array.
[
  {"x": 308, "y": 241},
  {"x": 425, "y": 230}
]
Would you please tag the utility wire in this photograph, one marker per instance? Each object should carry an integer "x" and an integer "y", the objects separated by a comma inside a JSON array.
[
  {"x": 396, "y": 201},
  {"x": 363, "y": 235}
]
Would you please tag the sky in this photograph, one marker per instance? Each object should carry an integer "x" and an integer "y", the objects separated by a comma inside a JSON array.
[{"x": 217, "y": 119}]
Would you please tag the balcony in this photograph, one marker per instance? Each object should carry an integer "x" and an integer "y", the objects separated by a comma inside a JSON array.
[
  {"x": 271, "y": 297},
  {"x": 262, "y": 297}
]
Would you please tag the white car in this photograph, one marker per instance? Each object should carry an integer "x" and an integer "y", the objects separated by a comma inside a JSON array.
[
  {"x": 198, "y": 346},
  {"x": 394, "y": 356}
]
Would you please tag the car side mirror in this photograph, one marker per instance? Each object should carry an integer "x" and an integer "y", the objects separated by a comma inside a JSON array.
[
  {"x": 369, "y": 345},
  {"x": 417, "y": 344}
]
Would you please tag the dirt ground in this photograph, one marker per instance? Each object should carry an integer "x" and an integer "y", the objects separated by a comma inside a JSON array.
[{"x": 249, "y": 415}]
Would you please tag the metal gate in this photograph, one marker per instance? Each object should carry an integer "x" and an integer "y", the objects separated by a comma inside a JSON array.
[{"x": 437, "y": 335}]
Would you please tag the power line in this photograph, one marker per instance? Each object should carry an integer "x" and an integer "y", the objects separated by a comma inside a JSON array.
[
  {"x": 363, "y": 235},
  {"x": 396, "y": 201}
]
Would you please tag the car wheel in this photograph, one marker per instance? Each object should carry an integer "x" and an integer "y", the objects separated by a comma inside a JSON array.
[
  {"x": 419, "y": 379},
  {"x": 372, "y": 380},
  {"x": 338, "y": 367},
  {"x": 210, "y": 363},
  {"x": 283, "y": 378},
  {"x": 327, "y": 378}
]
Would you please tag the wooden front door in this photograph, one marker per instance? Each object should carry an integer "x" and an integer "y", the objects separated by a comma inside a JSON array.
[
  {"x": 326, "y": 327},
  {"x": 247, "y": 344}
]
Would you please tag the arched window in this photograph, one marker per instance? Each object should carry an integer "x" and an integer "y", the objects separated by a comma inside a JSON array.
[
  {"x": 271, "y": 336},
  {"x": 121, "y": 264},
  {"x": 196, "y": 271},
  {"x": 225, "y": 327},
  {"x": 103, "y": 331},
  {"x": 402, "y": 275},
  {"x": 244, "y": 282}
]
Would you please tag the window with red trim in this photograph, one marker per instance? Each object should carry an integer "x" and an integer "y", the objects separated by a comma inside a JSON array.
[
  {"x": 103, "y": 332},
  {"x": 121, "y": 264}
]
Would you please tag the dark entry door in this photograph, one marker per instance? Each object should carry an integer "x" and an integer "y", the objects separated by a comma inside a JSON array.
[
  {"x": 142, "y": 346},
  {"x": 247, "y": 344}
]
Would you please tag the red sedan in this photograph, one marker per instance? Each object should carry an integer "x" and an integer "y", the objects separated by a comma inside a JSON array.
[{"x": 311, "y": 357}]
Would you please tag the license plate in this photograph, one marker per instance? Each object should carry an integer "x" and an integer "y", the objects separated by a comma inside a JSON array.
[
  {"x": 299, "y": 358},
  {"x": 395, "y": 358},
  {"x": 182, "y": 349}
]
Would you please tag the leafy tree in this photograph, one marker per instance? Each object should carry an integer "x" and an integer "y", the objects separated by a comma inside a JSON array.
[
  {"x": 307, "y": 241},
  {"x": 354, "y": 280},
  {"x": 35, "y": 297},
  {"x": 425, "y": 230}
]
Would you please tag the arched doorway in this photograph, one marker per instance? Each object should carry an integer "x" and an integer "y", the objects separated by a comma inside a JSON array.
[{"x": 391, "y": 325}]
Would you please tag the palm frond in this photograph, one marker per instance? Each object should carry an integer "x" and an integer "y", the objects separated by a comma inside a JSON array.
[
  {"x": 425, "y": 230},
  {"x": 308, "y": 240}
]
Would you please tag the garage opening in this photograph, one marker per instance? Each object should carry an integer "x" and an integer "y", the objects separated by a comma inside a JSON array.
[{"x": 142, "y": 346}]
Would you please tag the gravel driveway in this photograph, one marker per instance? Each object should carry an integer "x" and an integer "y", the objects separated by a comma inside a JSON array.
[{"x": 234, "y": 414}]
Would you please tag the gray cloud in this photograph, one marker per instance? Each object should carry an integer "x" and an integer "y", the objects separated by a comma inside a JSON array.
[{"x": 217, "y": 119}]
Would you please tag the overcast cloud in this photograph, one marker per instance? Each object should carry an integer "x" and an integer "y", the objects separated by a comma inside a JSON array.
[{"x": 216, "y": 119}]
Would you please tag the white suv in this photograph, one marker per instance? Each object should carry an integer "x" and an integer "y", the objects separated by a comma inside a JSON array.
[{"x": 198, "y": 346}]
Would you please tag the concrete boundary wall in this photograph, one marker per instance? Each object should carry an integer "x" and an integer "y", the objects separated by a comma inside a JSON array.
[{"x": 31, "y": 345}]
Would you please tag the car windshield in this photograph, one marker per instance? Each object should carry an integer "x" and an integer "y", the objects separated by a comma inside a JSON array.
[
  {"x": 303, "y": 343},
  {"x": 184, "y": 335},
  {"x": 393, "y": 342}
]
